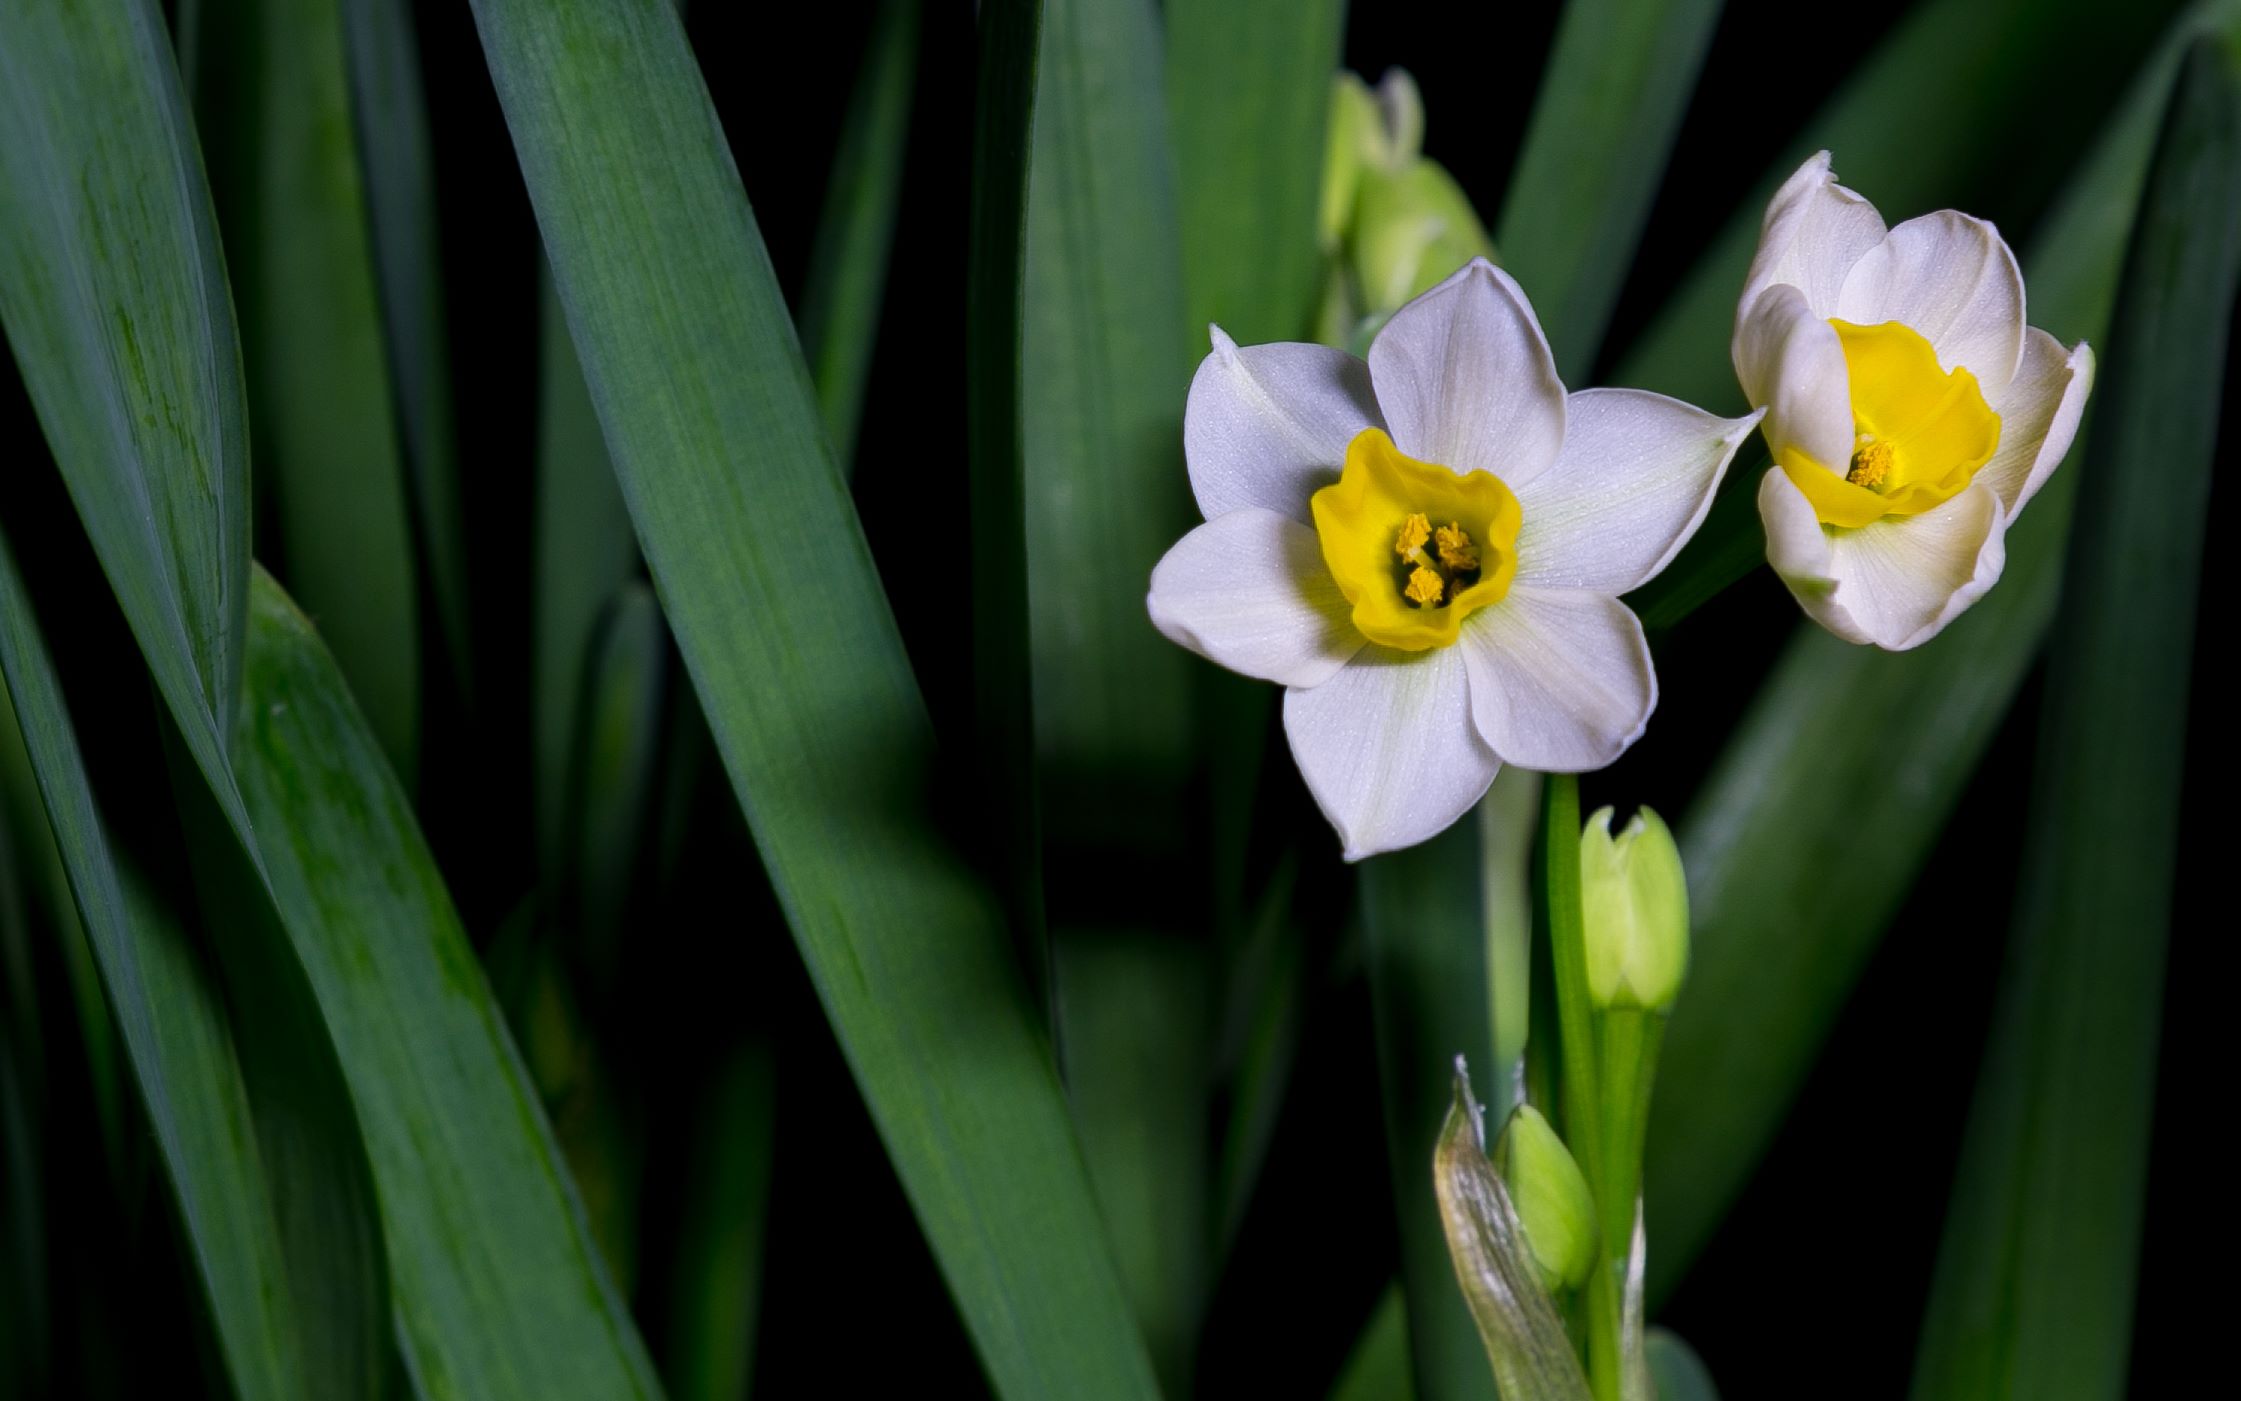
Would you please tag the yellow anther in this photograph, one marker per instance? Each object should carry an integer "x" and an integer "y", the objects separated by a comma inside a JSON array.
[
  {"x": 1414, "y": 532},
  {"x": 1871, "y": 464},
  {"x": 1425, "y": 586},
  {"x": 1455, "y": 547}
]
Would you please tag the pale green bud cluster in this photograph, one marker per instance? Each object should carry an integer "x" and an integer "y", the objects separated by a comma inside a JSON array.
[
  {"x": 1552, "y": 1199},
  {"x": 1393, "y": 223},
  {"x": 1635, "y": 912}
]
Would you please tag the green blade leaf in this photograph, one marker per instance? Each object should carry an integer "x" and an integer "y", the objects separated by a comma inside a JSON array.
[
  {"x": 1424, "y": 946},
  {"x": 391, "y": 113},
  {"x": 1248, "y": 96},
  {"x": 1132, "y": 1006},
  {"x": 719, "y": 1271},
  {"x": 618, "y": 768},
  {"x": 498, "y": 1288},
  {"x": 316, "y": 1328},
  {"x": 1378, "y": 1368},
  {"x": 115, "y": 302},
  {"x": 1610, "y": 105},
  {"x": 584, "y": 552},
  {"x": 1771, "y": 840},
  {"x": 273, "y": 95},
  {"x": 770, "y": 591},
  {"x": 1103, "y": 378},
  {"x": 995, "y": 290},
  {"x": 1105, "y": 373},
  {"x": 1679, "y": 1374},
  {"x": 840, "y": 301},
  {"x": 2034, "y": 1289}
]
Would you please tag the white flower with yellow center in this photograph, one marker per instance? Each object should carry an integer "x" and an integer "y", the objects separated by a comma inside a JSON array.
[
  {"x": 1427, "y": 550},
  {"x": 1910, "y": 410}
]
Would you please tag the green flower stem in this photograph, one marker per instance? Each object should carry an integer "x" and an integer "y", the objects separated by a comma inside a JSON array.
[
  {"x": 1505, "y": 832},
  {"x": 1581, "y": 1083},
  {"x": 1609, "y": 1060}
]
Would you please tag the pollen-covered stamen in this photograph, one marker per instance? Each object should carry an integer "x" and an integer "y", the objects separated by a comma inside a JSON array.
[
  {"x": 1455, "y": 547},
  {"x": 1414, "y": 532},
  {"x": 1425, "y": 587},
  {"x": 1871, "y": 462}
]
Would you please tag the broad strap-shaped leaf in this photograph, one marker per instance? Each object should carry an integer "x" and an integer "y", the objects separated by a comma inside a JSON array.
[
  {"x": 498, "y": 1288},
  {"x": 1248, "y": 96},
  {"x": 115, "y": 301},
  {"x": 273, "y": 96},
  {"x": 1771, "y": 840},
  {"x": 1106, "y": 369},
  {"x": 1612, "y": 96},
  {"x": 1425, "y": 948},
  {"x": 283, "y": 1332},
  {"x": 847, "y": 280},
  {"x": 1104, "y": 376},
  {"x": 2035, "y": 1282},
  {"x": 583, "y": 552},
  {"x": 769, "y": 587},
  {"x": 389, "y": 105}
]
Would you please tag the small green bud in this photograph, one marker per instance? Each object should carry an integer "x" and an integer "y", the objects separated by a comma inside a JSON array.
[
  {"x": 1352, "y": 135},
  {"x": 1412, "y": 227},
  {"x": 1552, "y": 1199},
  {"x": 1634, "y": 902}
]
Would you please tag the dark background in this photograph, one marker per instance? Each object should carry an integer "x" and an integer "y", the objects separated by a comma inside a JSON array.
[{"x": 1816, "y": 1284}]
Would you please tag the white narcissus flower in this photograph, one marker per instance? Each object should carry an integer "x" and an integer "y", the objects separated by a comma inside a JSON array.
[
  {"x": 1427, "y": 551},
  {"x": 1910, "y": 410}
]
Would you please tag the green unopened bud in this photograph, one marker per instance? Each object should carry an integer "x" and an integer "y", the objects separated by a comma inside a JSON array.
[
  {"x": 1412, "y": 227},
  {"x": 1634, "y": 903},
  {"x": 1551, "y": 1197},
  {"x": 1353, "y": 129}
]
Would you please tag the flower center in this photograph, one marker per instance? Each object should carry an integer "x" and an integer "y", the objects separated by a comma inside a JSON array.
[
  {"x": 1412, "y": 580},
  {"x": 1919, "y": 434}
]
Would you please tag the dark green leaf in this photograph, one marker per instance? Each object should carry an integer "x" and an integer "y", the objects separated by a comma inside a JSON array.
[
  {"x": 1248, "y": 95},
  {"x": 1611, "y": 101},
  {"x": 292, "y": 1320},
  {"x": 1426, "y": 952},
  {"x": 769, "y": 587},
  {"x": 395, "y": 149},
  {"x": 273, "y": 95},
  {"x": 116, "y": 304},
  {"x": 848, "y": 266},
  {"x": 718, "y": 1281},
  {"x": 498, "y": 1289},
  {"x": 583, "y": 553},
  {"x": 2034, "y": 1290}
]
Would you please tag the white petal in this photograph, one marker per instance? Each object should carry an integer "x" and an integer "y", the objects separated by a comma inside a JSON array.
[
  {"x": 1815, "y": 230},
  {"x": 1632, "y": 483},
  {"x": 1797, "y": 545},
  {"x": 1388, "y": 749},
  {"x": 1266, "y": 425},
  {"x": 1560, "y": 678},
  {"x": 1952, "y": 278},
  {"x": 1896, "y": 583},
  {"x": 1250, "y": 590},
  {"x": 1792, "y": 365},
  {"x": 2038, "y": 418},
  {"x": 1465, "y": 378}
]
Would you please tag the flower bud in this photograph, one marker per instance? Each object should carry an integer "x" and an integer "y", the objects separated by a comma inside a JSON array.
[
  {"x": 1412, "y": 227},
  {"x": 1634, "y": 903},
  {"x": 1551, "y": 1197}
]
